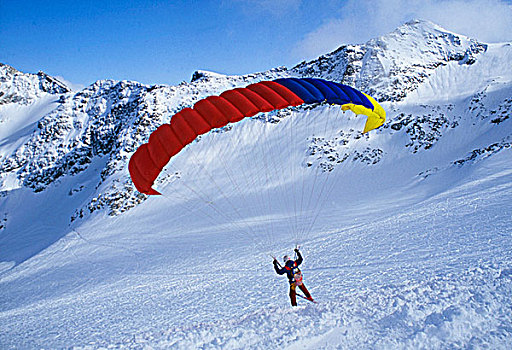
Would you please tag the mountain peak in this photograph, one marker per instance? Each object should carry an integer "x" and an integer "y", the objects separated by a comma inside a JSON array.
[
  {"x": 24, "y": 88},
  {"x": 203, "y": 74},
  {"x": 421, "y": 31},
  {"x": 390, "y": 66},
  {"x": 421, "y": 25},
  {"x": 426, "y": 27}
]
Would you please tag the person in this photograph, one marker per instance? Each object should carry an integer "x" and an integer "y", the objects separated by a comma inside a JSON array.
[{"x": 292, "y": 271}]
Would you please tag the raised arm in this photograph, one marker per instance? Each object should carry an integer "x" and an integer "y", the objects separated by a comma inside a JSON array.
[
  {"x": 280, "y": 271},
  {"x": 299, "y": 257}
]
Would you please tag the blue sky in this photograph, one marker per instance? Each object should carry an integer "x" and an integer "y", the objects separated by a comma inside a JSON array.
[{"x": 164, "y": 42}]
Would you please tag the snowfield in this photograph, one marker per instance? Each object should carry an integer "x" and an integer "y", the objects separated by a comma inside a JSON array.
[
  {"x": 434, "y": 274},
  {"x": 406, "y": 232}
]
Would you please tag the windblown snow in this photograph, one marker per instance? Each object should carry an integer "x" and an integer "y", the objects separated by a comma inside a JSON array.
[{"x": 406, "y": 232}]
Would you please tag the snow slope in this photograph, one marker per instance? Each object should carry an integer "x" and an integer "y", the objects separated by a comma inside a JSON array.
[{"x": 406, "y": 232}]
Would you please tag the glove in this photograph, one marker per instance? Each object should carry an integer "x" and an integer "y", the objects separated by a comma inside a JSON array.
[
  {"x": 296, "y": 250},
  {"x": 275, "y": 261}
]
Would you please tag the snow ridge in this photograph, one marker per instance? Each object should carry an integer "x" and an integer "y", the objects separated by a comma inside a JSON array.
[
  {"x": 22, "y": 88},
  {"x": 391, "y": 66}
]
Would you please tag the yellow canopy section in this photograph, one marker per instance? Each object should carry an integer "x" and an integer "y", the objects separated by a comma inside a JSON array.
[{"x": 376, "y": 117}]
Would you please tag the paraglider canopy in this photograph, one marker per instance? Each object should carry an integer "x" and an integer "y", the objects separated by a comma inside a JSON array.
[{"x": 234, "y": 105}]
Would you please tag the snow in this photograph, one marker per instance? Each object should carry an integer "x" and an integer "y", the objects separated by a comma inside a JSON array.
[
  {"x": 426, "y": 275},
  {"x": 17, "y": 123},
  {"x": 16, "y": 117},
  {"x": 455, "y": 81},
  {"x": 405, "y": 232}
]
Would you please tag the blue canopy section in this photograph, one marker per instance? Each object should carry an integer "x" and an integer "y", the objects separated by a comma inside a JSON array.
[{"x": 312, "y": 90}]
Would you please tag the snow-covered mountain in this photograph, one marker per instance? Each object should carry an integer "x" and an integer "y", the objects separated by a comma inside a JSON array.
[{"x": 406, "y": 230}]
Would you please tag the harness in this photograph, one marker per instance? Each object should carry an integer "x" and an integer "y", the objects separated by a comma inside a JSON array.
[{"x": 295, "y": 272}]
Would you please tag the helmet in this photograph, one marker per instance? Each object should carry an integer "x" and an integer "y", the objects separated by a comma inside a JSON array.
[{"x": 286, "y": 258}]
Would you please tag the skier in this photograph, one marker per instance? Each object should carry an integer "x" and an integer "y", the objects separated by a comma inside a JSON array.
[{"x": 291, "y": 268}]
